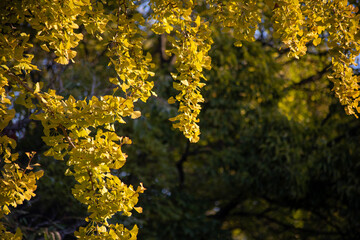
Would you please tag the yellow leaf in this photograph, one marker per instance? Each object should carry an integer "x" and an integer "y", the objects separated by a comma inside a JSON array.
[
  {"x": 6, "y": 209},
  {"x": 197, "y": 21},
  {"x": 317, "y": 41},
  {"x": 138, "y": 209},
  {"x": 134, "y": 232},
  {"x": 171, "y": 100},
  {"x": 238, "y": 44},
  {"x": 62, "y": 60},
  {"x": 320, "y": 29},
  {"x": 37, "y": 87},
  {"x": 39, "y": 174},
  {"x": 185, "y": 82},
  {"x": 71, "y": 53},
  {"x": 45, "y": 47},
  {"x": 29, "y": 155},
  {"x": 113, "y": 81},
  {"x": 148, "y": 57},
  {"x": 135, "y": 114},
  {"x": 126, "y": 140},
  {"x": 5, "y": 67}
]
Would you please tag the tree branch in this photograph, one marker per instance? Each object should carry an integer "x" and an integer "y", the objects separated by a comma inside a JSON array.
[
  {"x": 312, "y": 78},
  {"x": 179, "y": 164},
  {"x": 227, "y": 208}
]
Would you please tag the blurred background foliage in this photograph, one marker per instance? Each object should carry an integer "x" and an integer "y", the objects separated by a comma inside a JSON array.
[{"x": 278, "y": 157}]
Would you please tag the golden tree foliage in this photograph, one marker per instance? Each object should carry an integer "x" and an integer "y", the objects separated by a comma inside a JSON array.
[
  {"x": 190, "y": 44},
  {"x": 82, "y": 131}
]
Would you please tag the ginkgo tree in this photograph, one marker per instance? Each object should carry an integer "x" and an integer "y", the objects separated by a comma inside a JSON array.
[{"x": 82, "y": 131}]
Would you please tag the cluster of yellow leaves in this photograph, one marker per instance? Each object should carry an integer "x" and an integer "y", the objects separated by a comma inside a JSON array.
[
  {"x": 55, "y": 22},
  {"x": 95, "y": 20},
  {"x": 6, "y": 115},
  {"x": 81, "y": 130},
  {"x": 239, "y": 17},
  {"x": 126, "y": 54},
  {"x": 73, "y": 128},
  {"x": 334, "y": 22},
  {"x": 70, "y": 128},
  {"x": 289, "y": 22},
  {"x": 8, "y": 235},
  {"x": 16, "y": 184},
  {"x": 344, "y": 42},
  {"x": 114, "y": 231},
  {"x": 298, "y": 23},
  {"x": 190, "y": 39}
]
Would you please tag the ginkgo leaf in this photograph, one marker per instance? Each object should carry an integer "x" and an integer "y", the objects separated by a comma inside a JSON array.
[
  {"x": 37, "y": 87},
  {"x": 138, "y": 209},
  {"x": 317, "y": 41},
  {"x": 135, "y": 114},
  {"x": 62, "y": 60},
  {"x": 45, "y": 47},
  {"x": 171, "y": 100}
]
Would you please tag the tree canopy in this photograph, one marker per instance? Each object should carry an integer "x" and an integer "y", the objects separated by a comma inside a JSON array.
[{"x": 79, "y": 78}]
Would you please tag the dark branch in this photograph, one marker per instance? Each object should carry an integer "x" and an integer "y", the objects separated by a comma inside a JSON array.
[
  {"x": 313, "y": 78},
  {"x": 224, "y": 211},
  {"x": 180, "y": 163}
]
